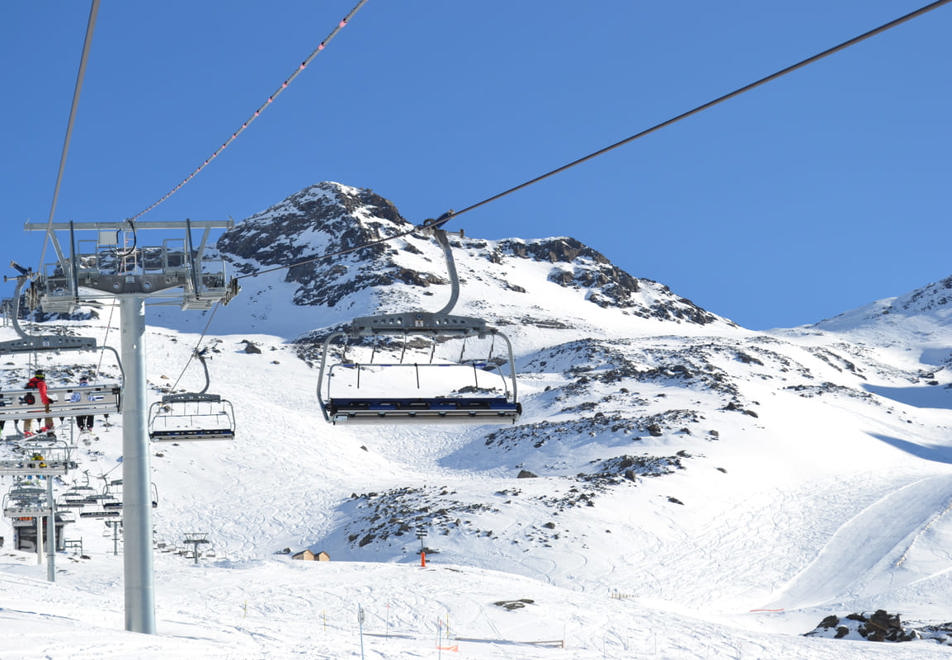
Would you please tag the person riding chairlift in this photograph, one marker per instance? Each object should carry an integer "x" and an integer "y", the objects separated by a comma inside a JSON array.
[
  {"x": 85, "y": 422},
  {"x": 38, "y": 383}
]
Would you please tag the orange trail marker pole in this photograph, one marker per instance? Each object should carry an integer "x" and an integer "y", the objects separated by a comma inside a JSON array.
[{"x": 422, "y": 559}]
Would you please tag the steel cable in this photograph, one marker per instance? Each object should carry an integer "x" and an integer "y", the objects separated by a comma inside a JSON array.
[
  {"x": 257, "y": 113},
  {"x": 87, "y": 44},
  {"x": 446, "y": 217}
]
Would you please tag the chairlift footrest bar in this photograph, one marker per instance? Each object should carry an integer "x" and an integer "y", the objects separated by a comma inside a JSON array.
[
  {"x": 424, "y": 411},
  {"x": 191, "y": 434},
  {"x": 100, "y": 514}
]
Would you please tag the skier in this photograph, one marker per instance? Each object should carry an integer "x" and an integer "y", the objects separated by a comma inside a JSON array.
[
  {"x": 84, "y": 422},
  {"x": 38, "y": 383}
]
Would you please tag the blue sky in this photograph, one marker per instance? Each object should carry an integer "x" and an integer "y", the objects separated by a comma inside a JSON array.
[{"x": 815, "y": 194}]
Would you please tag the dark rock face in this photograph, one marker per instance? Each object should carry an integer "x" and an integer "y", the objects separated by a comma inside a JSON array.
[
  {"x": 250, "y": 347},
  {"x": 928, "y": 298},
  {"x": 330, "y": 217},
  {"x": 880, "y": 626},
  {"x": 323, "y": 218},
  {"x": 579, "y": 266}
]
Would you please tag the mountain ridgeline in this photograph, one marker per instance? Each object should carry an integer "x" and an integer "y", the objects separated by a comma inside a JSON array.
[
  {"x": 622, "y": 381},
  {"x": 329, "y": 217}
]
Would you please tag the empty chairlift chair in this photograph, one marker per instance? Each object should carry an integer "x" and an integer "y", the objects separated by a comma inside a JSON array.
[
  {"x": 191, "y": 416},
  {"x": 418, "y": 391}
]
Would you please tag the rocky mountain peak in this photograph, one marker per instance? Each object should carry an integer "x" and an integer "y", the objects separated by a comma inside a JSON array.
[
  {"x": 400, "y": 274},
  {"x": 325, "y": 217},
  {"x": 321, "y": 218}
]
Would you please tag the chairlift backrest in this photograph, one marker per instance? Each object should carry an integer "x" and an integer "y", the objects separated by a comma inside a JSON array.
[{"x": 64, "y": 402}]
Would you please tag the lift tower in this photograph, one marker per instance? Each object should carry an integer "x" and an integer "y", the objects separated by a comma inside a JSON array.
[{"x": 114, "y": 265}]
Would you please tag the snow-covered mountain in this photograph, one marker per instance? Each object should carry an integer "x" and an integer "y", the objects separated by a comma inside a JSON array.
[{"x": 677, "y": 486}]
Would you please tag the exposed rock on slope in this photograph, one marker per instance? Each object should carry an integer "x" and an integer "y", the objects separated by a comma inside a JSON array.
[{"x": 330, "y": 217}]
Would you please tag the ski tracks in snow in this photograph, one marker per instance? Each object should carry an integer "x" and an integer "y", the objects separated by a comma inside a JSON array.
[{"x": 872, "y": 542}]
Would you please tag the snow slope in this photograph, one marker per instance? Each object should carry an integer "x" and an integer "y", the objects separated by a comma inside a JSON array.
[{"x": 700, "y": 490}]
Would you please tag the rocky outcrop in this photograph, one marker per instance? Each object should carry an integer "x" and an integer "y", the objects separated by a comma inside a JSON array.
[
  {"x": 325, "y": 218},
  {"x": 330, "y": 217},
  {"x": 880, "y": 626}
]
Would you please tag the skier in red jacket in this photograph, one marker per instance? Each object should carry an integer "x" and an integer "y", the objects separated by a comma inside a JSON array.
[{"x": 38, "y": 383}]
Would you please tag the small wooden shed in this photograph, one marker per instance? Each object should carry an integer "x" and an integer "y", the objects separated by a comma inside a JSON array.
[{"x": 307, "y": 555}]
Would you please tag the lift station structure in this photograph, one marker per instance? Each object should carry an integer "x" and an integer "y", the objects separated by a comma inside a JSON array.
[{"x": 114, "y": 266}]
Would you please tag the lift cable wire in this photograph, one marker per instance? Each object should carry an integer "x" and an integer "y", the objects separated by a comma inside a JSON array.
[
  {"x": 718, "y": 100},
  {"x": 257, "y": 113},
  {"x": 105, "y": 339},
  {"x": 87, "y": 44},
  {"x": 449, "y": 215},
  {"x": 197, "y": 345}
]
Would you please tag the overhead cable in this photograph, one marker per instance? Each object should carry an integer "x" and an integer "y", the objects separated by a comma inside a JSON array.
[
  {"x": 257, "y": 113},
  {"x": 446, "y": 217},
  {"x": 710, "y": 104},
  {"x": 87, "y": 44}
]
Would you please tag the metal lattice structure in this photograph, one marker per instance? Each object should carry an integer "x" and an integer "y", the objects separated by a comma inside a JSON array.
[
  {"x": 105, "y": 268},
  {"x": 116, "y": 265}
]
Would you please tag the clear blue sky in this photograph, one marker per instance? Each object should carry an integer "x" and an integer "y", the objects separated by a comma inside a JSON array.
[{"x": 818, "y": 193}]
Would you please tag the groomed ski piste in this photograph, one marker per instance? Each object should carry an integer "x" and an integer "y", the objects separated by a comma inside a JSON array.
[{"x": 700, "y": 490}]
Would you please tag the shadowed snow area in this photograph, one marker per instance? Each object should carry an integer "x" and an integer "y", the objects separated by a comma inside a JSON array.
[
  {"x": 919, "y": 397},
  {"x": 677, "y": 486}
]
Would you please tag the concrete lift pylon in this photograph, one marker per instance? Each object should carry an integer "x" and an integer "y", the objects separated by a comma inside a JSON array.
[{"x": 105, "y": 268}]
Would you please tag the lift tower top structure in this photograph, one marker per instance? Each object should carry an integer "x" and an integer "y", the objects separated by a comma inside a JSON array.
[{"x": 114, "y": 265}]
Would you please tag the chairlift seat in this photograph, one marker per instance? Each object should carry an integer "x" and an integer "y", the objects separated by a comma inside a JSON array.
[
  {"x": 65, "y": 402},
  {"x": 191, "y": 434}
]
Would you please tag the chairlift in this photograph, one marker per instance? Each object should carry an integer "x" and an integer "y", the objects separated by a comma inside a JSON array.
[
  {"x": 69, "y": 401},
  {"x": 24, "y": 509},
  {"x": 50, "y": 459},
  {"x": 24, "y": 501},
  {"x": 192, "y": 415},
  {"x": 73, "y": 498},
  {"x": 413, "y": 391}
]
